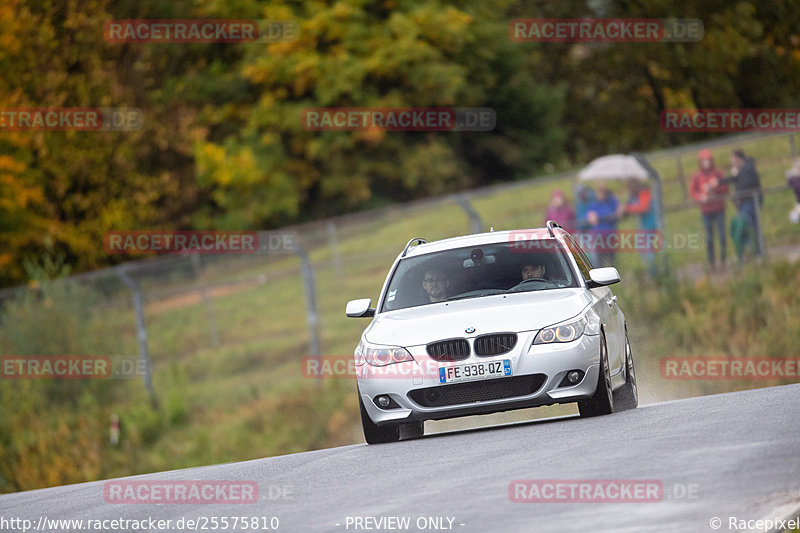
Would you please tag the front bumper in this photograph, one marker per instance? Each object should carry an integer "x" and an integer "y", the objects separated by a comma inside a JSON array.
[{"x": 536, "y": 378}]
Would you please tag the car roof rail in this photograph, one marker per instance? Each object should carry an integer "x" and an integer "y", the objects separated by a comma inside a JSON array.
[
  {"x": 551, "y": 224},
  {"x": 418, "y": 240}
]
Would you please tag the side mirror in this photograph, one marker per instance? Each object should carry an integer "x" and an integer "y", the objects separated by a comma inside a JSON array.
[
  {"x": 359, "y": 308},
  {"x": 601, "y": 277}
]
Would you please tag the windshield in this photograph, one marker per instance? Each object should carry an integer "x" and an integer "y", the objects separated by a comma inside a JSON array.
[{"x": 478, "y": 271}]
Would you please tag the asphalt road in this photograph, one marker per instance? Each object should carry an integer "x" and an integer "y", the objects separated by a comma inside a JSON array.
[{"x": 729, "y": 455}]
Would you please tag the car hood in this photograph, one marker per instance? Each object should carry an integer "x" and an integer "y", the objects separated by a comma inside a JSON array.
[{"x": 489, "y": 314}]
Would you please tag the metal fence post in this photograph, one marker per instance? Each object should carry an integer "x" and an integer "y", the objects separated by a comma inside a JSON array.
[
  {"x": 212, "y": 316},
  {"x": 141, "y": 331},
  {"x": 682, "y": 178},
  {"x": 333, "y": 242},
  {"x": 475, "y": 222},
  {"x": 310, "y": 291}
]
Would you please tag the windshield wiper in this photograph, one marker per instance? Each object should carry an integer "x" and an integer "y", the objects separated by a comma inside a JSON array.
[{"x": 475, "y": 294}]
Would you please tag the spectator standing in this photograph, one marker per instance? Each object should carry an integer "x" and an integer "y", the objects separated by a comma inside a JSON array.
[
  {"x": 793, "y": 179},
  {"x": 747, "y": 185},
  {"x": 559, "y": 210},
  {"x": 708, "y": 188},
  {"x": 640, "y": 202},
  {"x": 602, "y": 218},
  {"x": 584, "y": 196}
]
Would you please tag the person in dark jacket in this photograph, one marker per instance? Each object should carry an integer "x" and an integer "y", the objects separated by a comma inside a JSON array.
[
  {"x": 708, "y": 188},
  {"x": 583, "y": 197},
  {"x": 747, "y": 186},
  {"x": 793, "y": 179}
]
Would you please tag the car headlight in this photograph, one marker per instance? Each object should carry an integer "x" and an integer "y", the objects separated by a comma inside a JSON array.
[
  {"x": 382, "y": 355},
  {"x": 561, "y": 333}
]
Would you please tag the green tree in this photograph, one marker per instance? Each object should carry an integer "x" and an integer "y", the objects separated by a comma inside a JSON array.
[{"x": 366, "y": 54}]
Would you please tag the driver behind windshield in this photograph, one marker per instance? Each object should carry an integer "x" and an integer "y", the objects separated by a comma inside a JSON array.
[
  {"x": 435, "y": 283},
  {"x": 531, "y": 271}
]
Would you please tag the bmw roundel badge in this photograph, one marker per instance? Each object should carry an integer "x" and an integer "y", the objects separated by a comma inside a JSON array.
[{"x": 470, "y": 330}]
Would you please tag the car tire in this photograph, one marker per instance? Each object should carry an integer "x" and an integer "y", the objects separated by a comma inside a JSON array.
[
  {"x": 602, "y": 402},
  {"x": 627, "y": 396},
  {"x": 375, "y": 434}
]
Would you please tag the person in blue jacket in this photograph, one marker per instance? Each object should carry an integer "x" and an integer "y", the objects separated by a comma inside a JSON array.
[{"x": 602, "y": 218}]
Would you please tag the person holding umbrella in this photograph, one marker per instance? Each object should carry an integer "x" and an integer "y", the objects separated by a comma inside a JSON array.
[{"x": 604, "y": 213}]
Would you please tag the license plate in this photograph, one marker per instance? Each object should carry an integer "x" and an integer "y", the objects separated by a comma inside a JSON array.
[{"x": 475, "y": 371}]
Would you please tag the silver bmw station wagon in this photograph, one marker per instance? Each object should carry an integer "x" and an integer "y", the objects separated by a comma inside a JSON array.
[{"x": 491, "y": 322}]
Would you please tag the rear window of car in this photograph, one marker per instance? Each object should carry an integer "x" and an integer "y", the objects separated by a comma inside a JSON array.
[{"x": 479, "y": 271}]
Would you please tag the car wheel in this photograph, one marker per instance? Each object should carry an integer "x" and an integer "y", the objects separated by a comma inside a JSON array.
[
  {"x": 375, "y": 434},
  {"x": 602, "y": 402},
  {"x": 627, "y": 397}
]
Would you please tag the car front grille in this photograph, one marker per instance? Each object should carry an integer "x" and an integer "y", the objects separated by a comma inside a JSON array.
[
  {"x": 495, "y": 344},
  {"x": 477, "y": 391},
  {"x": 449, "y": 350}
]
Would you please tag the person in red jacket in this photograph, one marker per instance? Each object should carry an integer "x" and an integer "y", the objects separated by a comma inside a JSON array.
[{"x": 708, "y": 188}]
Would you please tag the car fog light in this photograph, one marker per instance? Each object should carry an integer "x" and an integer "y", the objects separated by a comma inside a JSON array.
[
  {"x": 383, "y": 401},
  {"x": 572, "y": 378}
]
